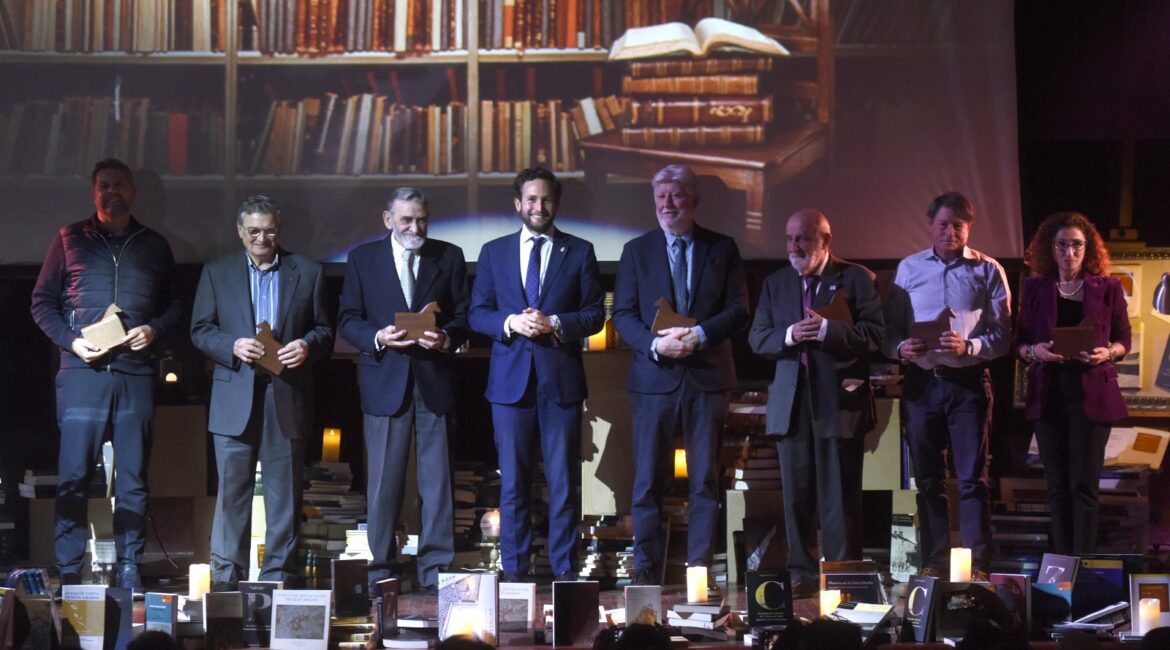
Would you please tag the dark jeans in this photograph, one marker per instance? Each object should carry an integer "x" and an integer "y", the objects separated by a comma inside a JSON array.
[
  {"x": 1072, "y": 450},
  {"x": 949, "y": 411},
  {"x": 90, "y": 403}
]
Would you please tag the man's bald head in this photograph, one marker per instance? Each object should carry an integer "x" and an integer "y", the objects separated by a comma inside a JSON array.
[{"x": 807, "y": 238}]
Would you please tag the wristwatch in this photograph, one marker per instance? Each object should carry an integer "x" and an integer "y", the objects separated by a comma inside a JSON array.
[{"x": 970, "y": 347}]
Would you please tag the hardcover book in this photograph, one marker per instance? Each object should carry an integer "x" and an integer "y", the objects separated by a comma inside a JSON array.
[
  {"x": 1018, "y": 589},
  {"x": 44, "y": 628},
  {"x": 386, "y": 608},
  {"x": 7, "y": 596},
  {"x": 724, "y": 84},
  {"x": 693, "y": 136},
  {"x": 257, "y": 612},
  {"x": 83, "y": 616},
  {"x": 517, "y": 613},
  {"x": 1150, "y": 585},
  {"x": 575, "y": 620},
  {"x": 858, "y": 581},
  {"x": 699, "y": 111},
  {"x": 223, "y": 620},
  {"x": 1058, "y": 569},
  {"x": 691, "y": 67},
  {"x": 468, "y": 606},
  {"x": 300, "y": 619},
  {"x": 119, "y": 617},
  {"x": 643, "y": 604},
  {"x": 350, "y": 587},
  {"x": 903, "y": 547},
  {"x": 162, "y": 612},
  {"x": 920, "y": 605},
  {"x": 769, "y": 596},
  {"x": 1102, "y": 580},
  {"x": 678, "y": 38}
]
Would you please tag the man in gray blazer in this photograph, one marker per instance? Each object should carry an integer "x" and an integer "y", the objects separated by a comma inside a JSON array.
[
  {"x": 820, "y": 403},
  {"x": 254, "y": 413}
]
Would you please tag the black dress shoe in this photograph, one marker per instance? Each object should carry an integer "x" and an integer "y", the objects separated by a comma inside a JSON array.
[
  {"x": 565, "y": 576},
  {"x": 428, "y": 590},
  {"x": 508, "y": 576},
  {"x": 218, "y": 587},
  {"x": 644, "y": 577}
]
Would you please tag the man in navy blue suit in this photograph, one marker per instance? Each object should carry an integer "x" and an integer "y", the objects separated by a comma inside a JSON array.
[
  {"x": 537, "y": 294},
  {"x": 407, "y": 385},
  {"x": 680, "y": 376}
]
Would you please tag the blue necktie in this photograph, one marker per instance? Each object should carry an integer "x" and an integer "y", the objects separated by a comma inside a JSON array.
[
  {"x": 678, "y": 275},
  {"x": 532, "y": 276}
]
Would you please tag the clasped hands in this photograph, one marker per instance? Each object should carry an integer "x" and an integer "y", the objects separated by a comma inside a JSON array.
[
  {"x": 950, "y": 342},
  {"x": 531, "y": 323},
  {"x": 1096, "y": 357},
  {"x": 808, "y": 328},
  {"x": 138, "y": 338},
  {"x": 293, "y": 354},
  {"x": 677, "y": 342},
  {"x": 392, "y": 337}
]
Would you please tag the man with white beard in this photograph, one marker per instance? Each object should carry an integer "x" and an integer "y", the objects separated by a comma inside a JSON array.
[
  {"x": 407, "y": 385},
  {"x": 820, "y": 403}
]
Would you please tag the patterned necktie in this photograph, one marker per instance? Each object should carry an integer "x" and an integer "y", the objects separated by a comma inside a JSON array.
[
  {"x": 406, "y": 276},
  {"x": 532, "y": 277},
  {"x": 678, "y": 275},
  {"x": 810, "y": 292}
]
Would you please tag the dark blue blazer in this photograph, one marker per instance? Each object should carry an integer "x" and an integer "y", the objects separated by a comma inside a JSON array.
[
  {"x": 222, "y": 312},
  {"x": 571, "y": 291},
  {"x": 370, "y": 298},
  {"x": 718, "y": 301}
]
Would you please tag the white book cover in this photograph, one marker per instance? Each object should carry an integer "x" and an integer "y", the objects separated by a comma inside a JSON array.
[
  {"x": 300, "y": 619},
  {"x": 83, "y": 615},
  {"x": 468, "y": 606},
  {"x": 517, "y": 612}
]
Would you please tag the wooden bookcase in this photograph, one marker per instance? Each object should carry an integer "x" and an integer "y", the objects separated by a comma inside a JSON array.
[{"x": 227, "y": 83}]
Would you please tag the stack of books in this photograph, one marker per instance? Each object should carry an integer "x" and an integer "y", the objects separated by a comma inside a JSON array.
[
  {"x": 607, "y": 551},
  {"x": 39, "y": 484},
  {"x": 698, "y": 102},
  {"x": 709, "y": 621},
  {"x": 357, "y": 544},
  {"x": 331, "y": 508}
]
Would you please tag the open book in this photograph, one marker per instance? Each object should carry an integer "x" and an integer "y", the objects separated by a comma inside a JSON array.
[{"x": 677, "y": 38}]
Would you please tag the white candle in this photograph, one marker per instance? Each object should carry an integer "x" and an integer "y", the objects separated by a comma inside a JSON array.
[
  {"x": 830, "y": 598},
  {"x": 696, "y": 584},
  {"x": 1149, "y": 612},
  {"x": 200, "y": 581},
  {"x": 960, "y": 565}
]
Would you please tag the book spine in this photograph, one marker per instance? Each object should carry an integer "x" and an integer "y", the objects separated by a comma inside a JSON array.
[
  {"x": 696, "y": 67},
  {"x": 692, "y": 85},
  {"x": 711, "y": 111},
  {"x": 698, "y": 136}
]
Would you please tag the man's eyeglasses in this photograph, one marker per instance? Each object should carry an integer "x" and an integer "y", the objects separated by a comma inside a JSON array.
[
  {"x": 255, "y": 233},
  {"x": 1075, "y": 245}
]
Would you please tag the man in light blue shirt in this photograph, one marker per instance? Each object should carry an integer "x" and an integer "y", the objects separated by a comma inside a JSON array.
[{"x": 946, "y": 398}]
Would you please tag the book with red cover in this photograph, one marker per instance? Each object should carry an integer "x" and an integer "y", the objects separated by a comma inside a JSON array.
[
  {"x": 693, "y": 67},
  {"x": 693, "y": 136},
  {"x": 724, "y": 84},
  {"x": 177, "y": 143},
  {"x": 700, "y": 111}
]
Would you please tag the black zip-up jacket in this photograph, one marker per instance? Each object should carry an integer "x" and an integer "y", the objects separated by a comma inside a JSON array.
[{"x": 86, "y": 269}]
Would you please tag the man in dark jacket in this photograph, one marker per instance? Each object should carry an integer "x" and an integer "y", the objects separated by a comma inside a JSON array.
[
  {"x": 256, "y": 414},
  {"x": 108, "y": 259}
]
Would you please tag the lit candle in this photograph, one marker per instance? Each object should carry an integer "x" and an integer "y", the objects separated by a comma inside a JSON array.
[
  {"x": 489, "y": 524},
  {"x": 200, "y": 581},
  {"x": 1149, "y": 612},
  {"x": 680, "y": 463},
  {"x": 960, "y": 565},
  {"x": 830, "y": 598},
  {"x": 696, "y": 584},
  {"x": 331, "y": 446}
]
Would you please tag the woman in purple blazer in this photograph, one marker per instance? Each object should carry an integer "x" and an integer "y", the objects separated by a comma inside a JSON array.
[{"x": 1072, "y": 400}]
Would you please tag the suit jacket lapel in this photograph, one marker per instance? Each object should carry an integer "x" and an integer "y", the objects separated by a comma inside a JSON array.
[
  {"x": 556, "y": 259},
  {"x": 513, "y": 284},
  {"x": 288, "y": 284},
  {"x": 658, "y": 257},
  {"x": 244, "y": 295},
  {"x": 428, "y": 270},
  {"x": 699, "y": 253},
  {"x": 829, "y": 284}
]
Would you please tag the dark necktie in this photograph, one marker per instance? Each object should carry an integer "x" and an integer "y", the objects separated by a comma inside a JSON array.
[
  {"x": 806, "y": 301},
  {"x": 532, "y": 277},
  {"x": 678, "y": 275}
]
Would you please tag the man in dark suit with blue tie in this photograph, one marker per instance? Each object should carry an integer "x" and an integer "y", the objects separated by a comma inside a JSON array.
[
  {"x": 820, "y": 403},
  {"x": 537, "y": 294},
  {"x": 680, "y": 376},
  {"x": 255, "y": 414},
  {"x": 407, "y": 385}
]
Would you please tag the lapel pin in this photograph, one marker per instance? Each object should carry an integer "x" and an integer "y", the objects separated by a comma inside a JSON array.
[{"x": 562, "y": 249}]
